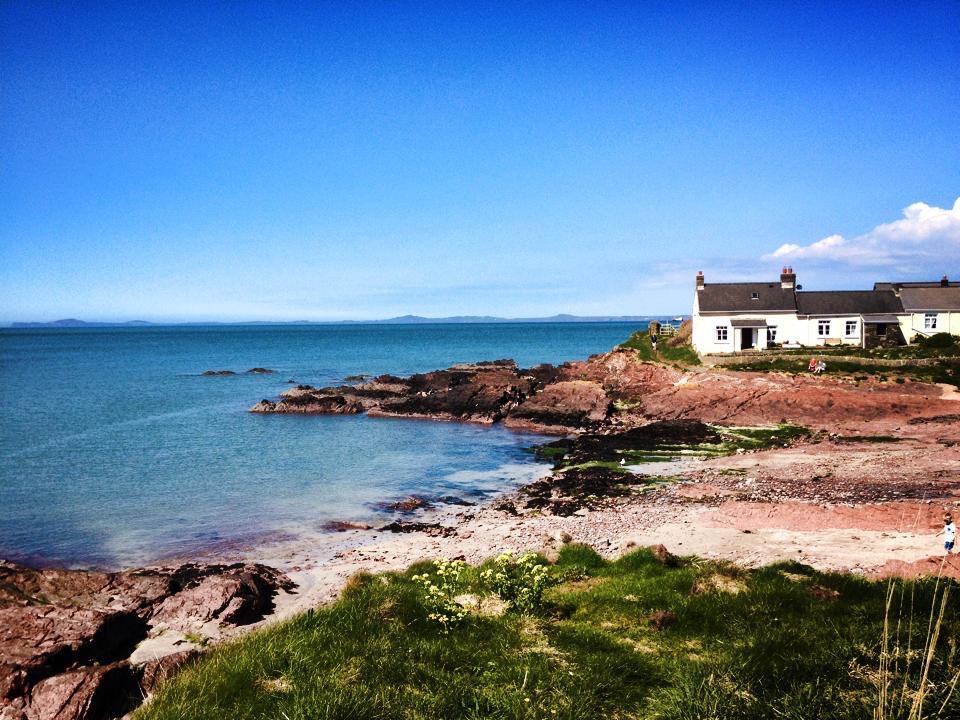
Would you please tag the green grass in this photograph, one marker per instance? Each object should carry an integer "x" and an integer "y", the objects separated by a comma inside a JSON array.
[
  {"x": 944, "y": 372},
  {"x": 936, "y": 346},
  {"x": 779, "y": 642},
  {"x": 680, "y": 355}
]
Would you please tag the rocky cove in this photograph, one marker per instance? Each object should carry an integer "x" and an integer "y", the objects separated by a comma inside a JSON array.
[{"x": 773, "y": 465}]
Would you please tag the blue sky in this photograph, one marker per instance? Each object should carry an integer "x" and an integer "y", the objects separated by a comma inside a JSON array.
[{"x": 284, "y": 161}]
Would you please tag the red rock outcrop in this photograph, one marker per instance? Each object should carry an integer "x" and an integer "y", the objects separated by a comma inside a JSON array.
[
  {"x": 66, "y": 636},
  {"x": 618, "y": 388}
]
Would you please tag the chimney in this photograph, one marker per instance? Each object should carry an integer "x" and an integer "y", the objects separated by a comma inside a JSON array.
[
  {"x": 944, "y": 282},
  {"x": 788, "y": 278},
  {"x": 700, "y": 280}
]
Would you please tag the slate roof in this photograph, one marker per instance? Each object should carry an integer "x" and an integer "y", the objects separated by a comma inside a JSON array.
[
  {"x": 923, "y": 284},
  {"x": 737, "y": 297},
  {"x": 917, "y": 299},
  {"x": 848, "y": 302}
]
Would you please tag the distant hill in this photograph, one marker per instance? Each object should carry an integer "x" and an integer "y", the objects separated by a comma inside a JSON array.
[
  {"x": 74, "y": 323},
  {"x": 563, "y": 318},
  {"x": 401, "y": 320}
]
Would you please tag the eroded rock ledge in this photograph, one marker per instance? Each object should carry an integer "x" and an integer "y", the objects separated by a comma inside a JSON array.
[
  {"x": 542, "y": 397},
  {"x": 66, "y": 636},
  {"x": 616, "y": 390}
]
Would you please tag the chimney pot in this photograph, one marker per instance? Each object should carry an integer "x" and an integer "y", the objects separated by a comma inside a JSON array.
[
  {"x": 787, "y": 278},
  {"x": 700, "y": 280},
  {"x": 944, "y": 282}
]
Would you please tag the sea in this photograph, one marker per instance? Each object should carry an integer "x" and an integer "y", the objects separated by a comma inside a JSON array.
[{"x": 116, "y": 451}]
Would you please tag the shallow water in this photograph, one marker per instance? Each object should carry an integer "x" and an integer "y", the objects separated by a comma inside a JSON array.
[{"x": 116, "y": 451}]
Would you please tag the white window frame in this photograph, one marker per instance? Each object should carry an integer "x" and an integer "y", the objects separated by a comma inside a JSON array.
[
  {"x": 722, "y": 333},
  {"x": 930, "y": 321},
  {"x": 772, "y": 334},
  {"x": 850, "y": 328},
  {"x": 823, "y": 328}
]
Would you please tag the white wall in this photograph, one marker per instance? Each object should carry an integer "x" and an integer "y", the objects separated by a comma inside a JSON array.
[
  {"x": 809, "y": 334},
  {"x": 790, "y": 329},
  {"x": 912, "y": 324},
  {"x": 704, "y": 337}
]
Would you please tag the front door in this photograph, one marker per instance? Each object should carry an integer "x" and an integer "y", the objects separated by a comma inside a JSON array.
[{"x": 746, "y": 338}]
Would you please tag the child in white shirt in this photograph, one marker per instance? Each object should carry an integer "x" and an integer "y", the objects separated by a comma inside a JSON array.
[{"x": 949, "y": 533}]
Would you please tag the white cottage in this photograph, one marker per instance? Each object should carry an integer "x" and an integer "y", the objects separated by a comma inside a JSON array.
[
  {"x": 738, "y": 317},
  {"x": 729, "y": 317}
]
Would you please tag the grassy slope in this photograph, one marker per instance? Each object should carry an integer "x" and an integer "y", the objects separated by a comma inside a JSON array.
[
  {"x": 938, "y": 346},
  {"x": 682, "y": 354},
  {"x": 778, "y": 647},
  {"x": 939, "y": 373},
  {"x": 943, "y": 346}
]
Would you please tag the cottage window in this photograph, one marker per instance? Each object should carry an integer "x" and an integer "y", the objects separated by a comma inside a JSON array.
[
  {"x": 850, "y": 328},
  {"x": 721, "y": 333},
  {"x": 771, "y": 335},
  {"x": 754, "y": 296},
  {"x": 823, "y": 328},
  {"x": 930, "y": 321}
]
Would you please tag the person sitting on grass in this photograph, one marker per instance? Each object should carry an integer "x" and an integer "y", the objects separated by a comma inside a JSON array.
[
  {"x": 821, "y": 367},
  {"x": 949, "y": 533},
  {"x": 812, "y": 365}
]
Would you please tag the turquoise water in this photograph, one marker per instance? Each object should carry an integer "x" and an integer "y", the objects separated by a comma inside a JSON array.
[{"x": 116, "y": 451}]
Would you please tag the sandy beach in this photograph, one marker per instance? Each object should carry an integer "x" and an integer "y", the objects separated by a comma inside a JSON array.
[{"x": 751, "y": 509}]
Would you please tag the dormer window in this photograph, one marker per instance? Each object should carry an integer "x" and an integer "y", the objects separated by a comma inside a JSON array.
[{"x": 755, "y": 296}]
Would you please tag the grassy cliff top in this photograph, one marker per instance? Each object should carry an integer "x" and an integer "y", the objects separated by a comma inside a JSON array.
[{"x": 641, "y": 637}]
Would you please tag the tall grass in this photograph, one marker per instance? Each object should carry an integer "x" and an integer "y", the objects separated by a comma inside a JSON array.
[
  {"x": 909, "y": 679},
  {"x": 782, "y": 641}
]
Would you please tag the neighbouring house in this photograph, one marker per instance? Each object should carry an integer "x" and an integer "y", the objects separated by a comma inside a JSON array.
[
  {"x": 740, "y": 317},
  {"x": 928, "y": 307}
]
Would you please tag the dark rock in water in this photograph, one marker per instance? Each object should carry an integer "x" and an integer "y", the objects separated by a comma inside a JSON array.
[
  {"x": 260, "y": 371},
  {"x": 65, "y": 635},
  {"x": 484, "y": 392},
  {"x": 304, "y": 399},
  {"x": 356, "y": 378},
  {"x": 454, "y": 500},
  {"x": 407, "y": 505},
  {"x": 343, "y": 526},
  {"x": 291, "y": 382},
  {"x": 432, "y": 529},
  {"x": 211, "y": 373}
]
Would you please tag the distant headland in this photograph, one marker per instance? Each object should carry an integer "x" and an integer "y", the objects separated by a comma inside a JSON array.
[{"x": 401, "y": 320}]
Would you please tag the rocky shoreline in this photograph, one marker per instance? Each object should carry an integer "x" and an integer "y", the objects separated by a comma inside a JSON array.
[
  {"x": 85, "y": 644},
  {"x": 618, "y": 390},
  {"x": 742, "y": 466}
]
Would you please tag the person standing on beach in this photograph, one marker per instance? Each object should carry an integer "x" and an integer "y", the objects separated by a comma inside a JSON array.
[{"x": 949, "y": 533}]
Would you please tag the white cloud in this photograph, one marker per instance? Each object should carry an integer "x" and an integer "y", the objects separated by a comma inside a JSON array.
[{"x": 925, "y": 236}]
